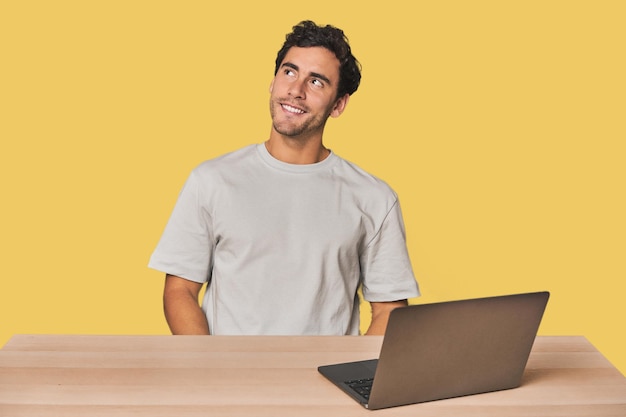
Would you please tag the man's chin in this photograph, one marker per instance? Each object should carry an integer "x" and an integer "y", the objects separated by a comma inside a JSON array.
[{"x": 292, "y": 132}]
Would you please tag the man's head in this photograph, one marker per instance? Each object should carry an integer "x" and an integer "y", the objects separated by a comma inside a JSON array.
[{"x": 308, "y": 34}]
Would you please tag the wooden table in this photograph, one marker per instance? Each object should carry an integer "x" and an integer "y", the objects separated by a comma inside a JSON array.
[{"x": 177, "y": 376}]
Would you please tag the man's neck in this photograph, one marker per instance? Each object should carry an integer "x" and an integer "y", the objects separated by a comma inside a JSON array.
[{"x": 296, "y": 151}]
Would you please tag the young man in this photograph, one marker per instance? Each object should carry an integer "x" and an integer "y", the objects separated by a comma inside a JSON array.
[{"x": 284, "y": 232}]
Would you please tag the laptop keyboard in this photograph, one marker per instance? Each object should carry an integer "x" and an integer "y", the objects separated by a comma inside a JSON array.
[{"x": 361, "y": 386}]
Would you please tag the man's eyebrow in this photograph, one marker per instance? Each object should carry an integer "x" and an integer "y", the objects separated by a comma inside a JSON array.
[
  {"x": 321, "y": 77},
  {"x": 290, "y": 65},
  {"x": 313, "y": 74}
]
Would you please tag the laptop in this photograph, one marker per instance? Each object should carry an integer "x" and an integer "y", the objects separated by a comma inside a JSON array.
[{"x": 445, "y": 350}]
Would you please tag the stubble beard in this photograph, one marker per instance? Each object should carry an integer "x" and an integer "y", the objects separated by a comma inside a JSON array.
[{"x": 296, "y": 130}]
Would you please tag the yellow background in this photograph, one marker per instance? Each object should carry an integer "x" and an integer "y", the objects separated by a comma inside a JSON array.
[{"x": 500, "y": 124}]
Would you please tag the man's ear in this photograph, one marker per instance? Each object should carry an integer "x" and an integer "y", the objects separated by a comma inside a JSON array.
[
  {"x": 272, "y": 85},
  {"x": 340, "y": 106}
]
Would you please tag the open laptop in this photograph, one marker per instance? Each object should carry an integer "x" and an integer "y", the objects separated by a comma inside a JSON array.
[{"x": 444, "y": 350}]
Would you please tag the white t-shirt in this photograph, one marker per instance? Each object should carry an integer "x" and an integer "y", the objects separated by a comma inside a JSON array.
[{"x": 285, "y": 247}]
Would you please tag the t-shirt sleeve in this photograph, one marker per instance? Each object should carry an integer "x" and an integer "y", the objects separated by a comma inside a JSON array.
[
  {"x": 386, "y": 270},
  {"x": 187, "y": 245}
]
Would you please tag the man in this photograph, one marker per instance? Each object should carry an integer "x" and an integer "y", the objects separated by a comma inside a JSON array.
[{"x": 284, "y": 232}]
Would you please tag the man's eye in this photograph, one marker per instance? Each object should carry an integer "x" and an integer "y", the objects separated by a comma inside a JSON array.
[
  {"x": 289, "y": 72},
  {"x": 317, "y": 83}
]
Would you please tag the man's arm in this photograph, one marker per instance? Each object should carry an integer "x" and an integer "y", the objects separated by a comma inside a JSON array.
[
  {"x": 380, "y": 316},
  {"x": 180, "y": 303}
]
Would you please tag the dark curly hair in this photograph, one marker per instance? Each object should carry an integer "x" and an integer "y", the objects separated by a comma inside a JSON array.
[{"x": 307, "y": 34}]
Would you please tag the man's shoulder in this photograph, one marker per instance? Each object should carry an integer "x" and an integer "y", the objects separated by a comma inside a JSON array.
[
  {"x": 356, "y": 176},
  {"x": 228, "y": 160}
]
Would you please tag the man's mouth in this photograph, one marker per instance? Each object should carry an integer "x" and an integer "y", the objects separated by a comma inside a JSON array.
[{"x": 291, "y": 109}]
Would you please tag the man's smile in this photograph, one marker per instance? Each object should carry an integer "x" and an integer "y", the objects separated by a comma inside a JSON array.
[{"x": 292, "y": 109}]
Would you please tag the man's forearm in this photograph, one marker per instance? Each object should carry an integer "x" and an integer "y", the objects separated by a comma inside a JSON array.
[
  {"x": 185, "y": 317},
  {"x": 380, "y": 316},
  {"x": 182, "y": 312}
]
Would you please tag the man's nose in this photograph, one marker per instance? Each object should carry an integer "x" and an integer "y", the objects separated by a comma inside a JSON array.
[{"x": 297, "y": 90}]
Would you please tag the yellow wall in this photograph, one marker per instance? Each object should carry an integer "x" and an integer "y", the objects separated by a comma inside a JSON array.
[{"x": 500, "y": 124}]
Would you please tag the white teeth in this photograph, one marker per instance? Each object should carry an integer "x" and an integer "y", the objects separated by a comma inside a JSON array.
[{"x": 292, "y": 109}]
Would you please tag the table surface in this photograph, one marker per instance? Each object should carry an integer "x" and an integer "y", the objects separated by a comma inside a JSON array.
[{"x": 55, "y": 375}]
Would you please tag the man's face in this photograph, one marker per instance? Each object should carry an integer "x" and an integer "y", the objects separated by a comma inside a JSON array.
[{"x": 304, "y": 92}]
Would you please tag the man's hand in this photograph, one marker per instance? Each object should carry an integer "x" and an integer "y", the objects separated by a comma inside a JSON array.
[
  {"x": 380, "y": 315},
  {"x": 180, "y": 303}
]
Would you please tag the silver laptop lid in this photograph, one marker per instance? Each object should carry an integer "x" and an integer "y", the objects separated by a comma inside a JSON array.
[{"x": 455, "y": 348}]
